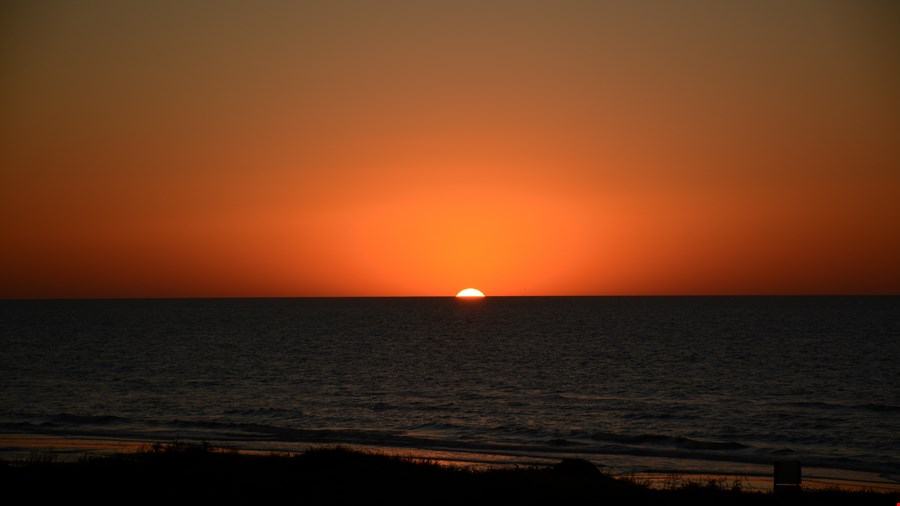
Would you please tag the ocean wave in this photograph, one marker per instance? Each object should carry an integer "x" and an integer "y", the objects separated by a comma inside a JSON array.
[
  {"x": 835, "y": 406},
  {"x": 881, "y": 408},
  {"x": 260, "y": 412},
  {"x": 434, "y": 426},
  {"x": 563, "y": 442},
  {"x": 70, "y": 419},
  {"x": 663, "y": 440},
  {"x": 656, "y": 416}
]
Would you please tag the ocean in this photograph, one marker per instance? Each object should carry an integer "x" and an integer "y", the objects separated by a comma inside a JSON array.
[{"x": 636, "y": 384}]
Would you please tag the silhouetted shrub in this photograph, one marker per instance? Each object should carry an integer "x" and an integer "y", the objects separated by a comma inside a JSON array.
[{"x": 199, "y": 473}]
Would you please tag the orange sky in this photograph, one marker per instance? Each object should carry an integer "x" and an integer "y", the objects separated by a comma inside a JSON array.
[{"x": 213, "y": 148}]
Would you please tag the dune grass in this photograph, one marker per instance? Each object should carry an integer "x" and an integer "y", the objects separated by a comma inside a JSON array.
[{"x": 334, "y": 475}]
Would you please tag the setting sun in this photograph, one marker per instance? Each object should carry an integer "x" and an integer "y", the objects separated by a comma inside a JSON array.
[{"x": 470, "y": 292}]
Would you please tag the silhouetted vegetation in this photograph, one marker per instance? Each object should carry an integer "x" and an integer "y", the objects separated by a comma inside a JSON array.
[{"x": 182, "y": 472}]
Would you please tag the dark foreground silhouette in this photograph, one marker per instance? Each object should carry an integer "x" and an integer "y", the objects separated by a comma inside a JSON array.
[{"x": 179, "y": 472}]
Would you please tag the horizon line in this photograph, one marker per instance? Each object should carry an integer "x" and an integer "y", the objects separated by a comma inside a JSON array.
[{"x": 290, "y": 297}]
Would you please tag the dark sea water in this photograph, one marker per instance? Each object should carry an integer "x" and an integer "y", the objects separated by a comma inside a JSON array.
[{"x": 636, "y": 383}]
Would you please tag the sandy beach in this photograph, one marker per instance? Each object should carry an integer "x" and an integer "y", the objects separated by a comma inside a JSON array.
[{"x": 71, "y": 468}]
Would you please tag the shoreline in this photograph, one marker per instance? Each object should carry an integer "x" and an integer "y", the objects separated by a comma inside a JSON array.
[
  {"x": 337, "y": 475},
  {"x": 653, "y": 471}
]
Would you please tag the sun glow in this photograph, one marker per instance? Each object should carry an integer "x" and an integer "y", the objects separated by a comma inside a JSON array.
[{"x": 470, "y": 292}]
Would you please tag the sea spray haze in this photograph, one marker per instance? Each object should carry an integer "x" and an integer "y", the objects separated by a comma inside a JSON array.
[{"x": 635, "y": 382}]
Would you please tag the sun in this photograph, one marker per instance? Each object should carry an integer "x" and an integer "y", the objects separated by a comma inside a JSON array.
[{"x": 470, "y": 293}]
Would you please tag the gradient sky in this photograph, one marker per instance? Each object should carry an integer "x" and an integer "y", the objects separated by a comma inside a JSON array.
[{"x": 348, "y": 148}]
